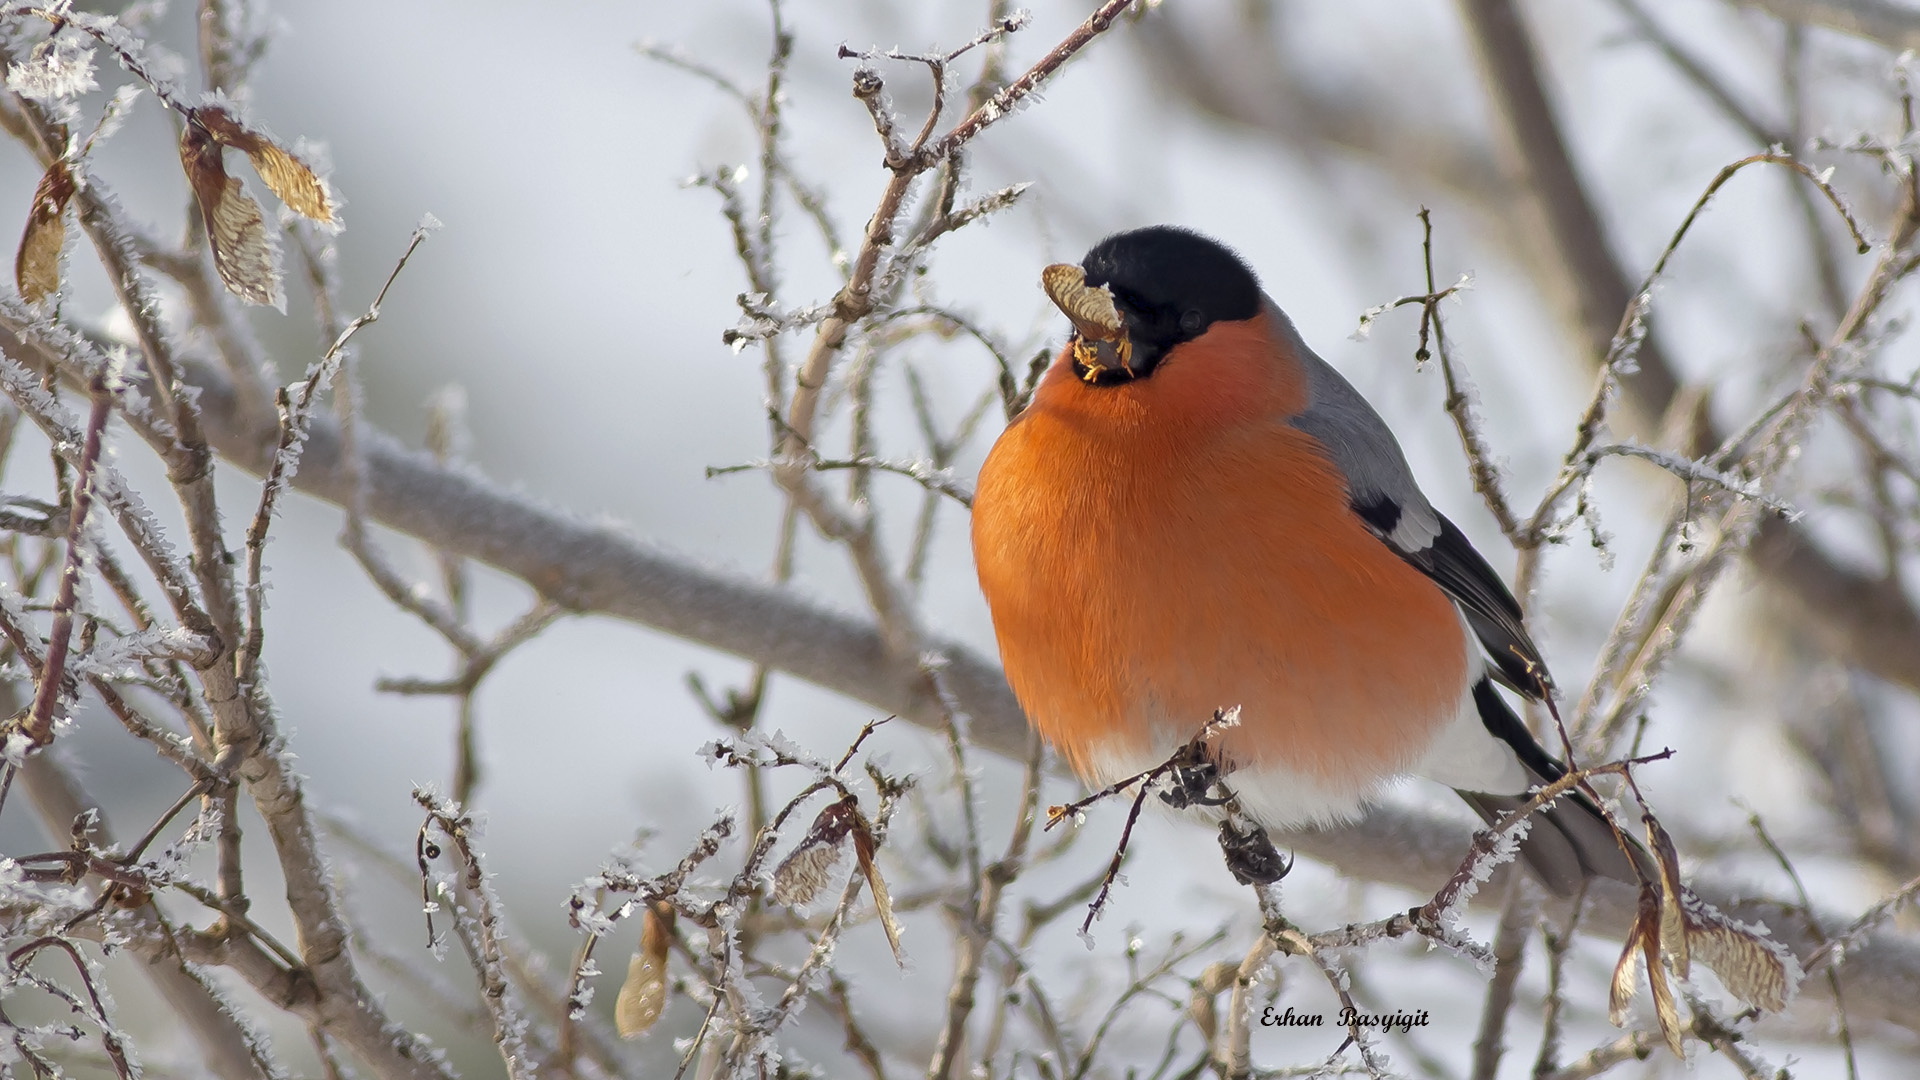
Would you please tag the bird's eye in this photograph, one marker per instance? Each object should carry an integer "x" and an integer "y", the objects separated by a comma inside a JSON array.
[{"x": 1192, "y": 322}]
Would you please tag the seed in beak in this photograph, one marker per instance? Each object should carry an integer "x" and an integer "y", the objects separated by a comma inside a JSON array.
[{"x": 1090, "y": 307}]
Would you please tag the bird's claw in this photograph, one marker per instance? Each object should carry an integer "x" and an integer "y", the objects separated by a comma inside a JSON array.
[
  {"x": 1191, "y": 785},
  {"x": 1251, "y": 856}
]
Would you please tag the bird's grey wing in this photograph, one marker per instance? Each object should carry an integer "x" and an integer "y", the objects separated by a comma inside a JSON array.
[{"x": 1382, "y": 492}]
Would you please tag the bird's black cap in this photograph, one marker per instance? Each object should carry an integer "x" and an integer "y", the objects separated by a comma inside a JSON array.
[{"x": 1170, "y": 284}]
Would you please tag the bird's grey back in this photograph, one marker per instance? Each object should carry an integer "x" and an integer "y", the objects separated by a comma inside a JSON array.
[{"x": 1379, "y": 483}]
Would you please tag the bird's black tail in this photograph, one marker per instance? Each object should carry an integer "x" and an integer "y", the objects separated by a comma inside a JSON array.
[{"x": 1570, "y": 842}]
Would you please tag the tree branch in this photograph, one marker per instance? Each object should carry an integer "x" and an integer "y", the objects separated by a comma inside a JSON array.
[
  {"x": 227, "y": 1048},
  {"x": 598, "y": 569},
  {"x": 1892, "y": 25},
  {"x": 1886, "y": 630}
]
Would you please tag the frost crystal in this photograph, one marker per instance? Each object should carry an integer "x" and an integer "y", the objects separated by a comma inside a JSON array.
[
  {"x": 780, "y": 743},
  {"x": 56, "y": 70},
  {"x": 115, "y": 114},
  {"x": 595, "y": 923}
]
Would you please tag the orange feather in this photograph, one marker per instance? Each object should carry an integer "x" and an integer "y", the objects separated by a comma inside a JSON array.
[{"x": 1155, "y": 550}]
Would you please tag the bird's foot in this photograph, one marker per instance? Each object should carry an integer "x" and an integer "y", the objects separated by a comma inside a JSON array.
[
  {"x": 1192, "y": 785},
  {"x": 1251, "y": 856}
]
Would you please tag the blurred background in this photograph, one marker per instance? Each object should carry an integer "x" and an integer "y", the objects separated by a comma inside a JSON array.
[{"x": 575, "y": 300}]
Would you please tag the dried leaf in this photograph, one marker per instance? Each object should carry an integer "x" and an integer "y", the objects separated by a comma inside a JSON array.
[
  {"x": 643, "y": 997},
  {"x": 36, "y": 268},
  {"x": 221, "y": 127},
  {"x": 1643, "y": 943},
  {"x": 243, "y": 250},
  {"x": 882, "y": 902},
  {"x": 1663, "y": 1007},
  {"x": 290, "y": 178},
  {"x": 800, "y": 877},
  {"x": 803, "y": 874},
  {"x": 293, "y": 181},
  {"x": 1673, "y": 936},
  {"x": 1752, "y": 966},
  {"x": 1201, "y": 1005},
  {"x": 1626, "y": 978}
]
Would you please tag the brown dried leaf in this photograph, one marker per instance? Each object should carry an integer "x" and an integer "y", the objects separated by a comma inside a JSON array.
[
  {"x": 1673, "y": 935},
  {"x": 656, "y": 929},
  {"x": 1643, "y": 944},
  {"x": 1750, "y": 965},
  {"x": 1625, "y": 977},
  {"x": 1663, "y": 1007},
  {"x": 882, "y": 902},
  {"x": 1201, "y": 1004},
  {"x": 221, "y": 127},
  {"x": 802, "y": 875},
  {"x": 798, "y": 879},
  {"x": 36, "y": 268},
  {"x": 290, "y": 178},
  {"x": 293, "y": 181},
  {"x": 643, "y": 997},
  {"x": 243, "y": 251}
]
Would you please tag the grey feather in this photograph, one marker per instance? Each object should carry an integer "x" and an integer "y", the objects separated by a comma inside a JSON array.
[
  {"x": 1382, "y": 492},
  {"x": 1359, "y": 443}
]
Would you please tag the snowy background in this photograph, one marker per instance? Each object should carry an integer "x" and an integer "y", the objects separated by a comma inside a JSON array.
[{"x": 577, "y": 295}]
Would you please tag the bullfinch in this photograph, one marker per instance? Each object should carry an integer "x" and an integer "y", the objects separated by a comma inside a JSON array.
[{"x": 1195, "y": 512}]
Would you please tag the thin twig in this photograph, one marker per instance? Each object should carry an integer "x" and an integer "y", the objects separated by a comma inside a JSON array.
[
  {"x": 480, "y": 933},
  {"x": 1509, "y": 952},
  {"x": 1806, "y": 908},
  {"x": 38, "y": 727},
  {"x": 1558, "y": 943}
]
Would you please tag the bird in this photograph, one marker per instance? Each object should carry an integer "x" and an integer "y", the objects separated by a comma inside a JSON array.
[{"x": 1195, "y": 511}]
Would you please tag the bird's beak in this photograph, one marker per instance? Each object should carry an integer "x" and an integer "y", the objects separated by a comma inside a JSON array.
[{"x": 1102, "y": 344}]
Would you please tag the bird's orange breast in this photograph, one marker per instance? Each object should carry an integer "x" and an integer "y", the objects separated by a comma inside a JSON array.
[{"x": 1156, "y": 550}]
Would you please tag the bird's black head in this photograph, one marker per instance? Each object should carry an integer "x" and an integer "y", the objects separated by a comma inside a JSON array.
[{"x": 1168, "y": 286}]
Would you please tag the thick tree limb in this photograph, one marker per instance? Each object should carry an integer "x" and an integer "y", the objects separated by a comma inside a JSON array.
[
  {"x": 590, "y": 567},
  {"x": 594, "y": 568}
]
